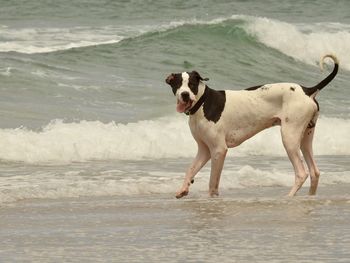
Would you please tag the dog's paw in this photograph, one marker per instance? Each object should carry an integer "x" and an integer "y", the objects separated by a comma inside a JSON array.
[
  {"x": 182, "y": 193},
  {"x": 214, "y": 193}
]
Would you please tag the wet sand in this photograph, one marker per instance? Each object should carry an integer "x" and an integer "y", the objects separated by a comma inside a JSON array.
[{"x": 243, "y": 225}]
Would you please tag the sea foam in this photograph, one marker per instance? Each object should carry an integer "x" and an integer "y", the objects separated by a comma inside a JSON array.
[
  {"x": 167, "y": 137},
  {"x": 81, "y": 183},
  {"x": 305, "y": 42},
  {"x": 45, "y": 40}
]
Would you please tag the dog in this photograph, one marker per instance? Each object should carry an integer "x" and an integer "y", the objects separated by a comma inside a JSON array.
[{"x": 224, "y": 119}]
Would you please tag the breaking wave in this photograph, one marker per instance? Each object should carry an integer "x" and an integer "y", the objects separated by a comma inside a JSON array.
[
  {"x": 168, "y": 137},
  {"x": 305, "y": 42}
]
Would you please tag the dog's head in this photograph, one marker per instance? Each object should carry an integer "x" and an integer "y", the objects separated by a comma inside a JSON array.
[{"x": 185, "y": 87}]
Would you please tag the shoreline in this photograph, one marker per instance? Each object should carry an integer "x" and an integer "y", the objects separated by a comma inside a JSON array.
[{"x": 156, "y": 228}]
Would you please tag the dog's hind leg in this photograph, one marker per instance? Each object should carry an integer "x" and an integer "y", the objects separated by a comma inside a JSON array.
[
  {"x": 291, "y": 137},
  {"x": 306, "y": 148},
  {"x": 218, "y": 155},
  {"x": 203, "y": 156}
]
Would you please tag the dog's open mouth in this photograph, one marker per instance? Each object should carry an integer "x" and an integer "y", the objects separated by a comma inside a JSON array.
[{"x": 183, "y": 106}]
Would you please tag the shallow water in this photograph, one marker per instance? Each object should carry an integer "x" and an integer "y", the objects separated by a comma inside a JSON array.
[
  {"x": 106, "y": 211},
  {"x": 21, "y": 181},
  {"x": 250, "y": 225}
]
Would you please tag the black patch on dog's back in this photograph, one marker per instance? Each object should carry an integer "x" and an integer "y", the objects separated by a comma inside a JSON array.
[
  {"x": 318, "y": 105},
  {"x": 254, "y": 88},
  {"x": 214, "y": 105}
]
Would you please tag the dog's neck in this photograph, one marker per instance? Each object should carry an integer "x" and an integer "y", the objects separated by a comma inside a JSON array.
[{"x": 203, "y": 92}]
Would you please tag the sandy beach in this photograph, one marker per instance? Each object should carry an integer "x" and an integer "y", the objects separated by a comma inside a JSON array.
[{"x": 254, "y": 225}]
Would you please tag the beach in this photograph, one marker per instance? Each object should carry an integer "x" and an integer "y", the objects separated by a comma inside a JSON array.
[
  {"x": 254, "y": 225},
  {"x": 246, "y": 223},
  {"x": 92, "y": 150}
]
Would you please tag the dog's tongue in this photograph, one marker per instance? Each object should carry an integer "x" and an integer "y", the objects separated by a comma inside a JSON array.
[{"x": 181, "y": 107}]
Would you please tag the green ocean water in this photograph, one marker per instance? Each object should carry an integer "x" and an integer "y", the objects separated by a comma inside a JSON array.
[
  {"x": 107, "y": 60},
  {"x": 101, "y": 66}
]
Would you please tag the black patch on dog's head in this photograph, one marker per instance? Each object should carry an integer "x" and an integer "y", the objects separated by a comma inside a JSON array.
[
  {"x": 193, "y": 81},
  {"x": 175, "y": 81}
]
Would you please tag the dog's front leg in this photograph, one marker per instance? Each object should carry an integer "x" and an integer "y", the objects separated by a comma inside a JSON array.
[
  {"x": 218, "y": 155},
  {"x": 203, "y": 155}
]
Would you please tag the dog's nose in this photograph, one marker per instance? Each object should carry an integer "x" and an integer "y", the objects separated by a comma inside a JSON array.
[{"x": 185, "y": 96}]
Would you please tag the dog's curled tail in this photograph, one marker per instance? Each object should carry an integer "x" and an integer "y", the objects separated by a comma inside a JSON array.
[
  {"x": 312, "y": 90},
  {"x": 335, "y": 60}
]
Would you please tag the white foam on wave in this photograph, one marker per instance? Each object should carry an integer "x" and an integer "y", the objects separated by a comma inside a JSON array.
[
  {"x": 73, "y": 184},
  {"x": 79, "y": 184},
  {"x": 167, "y": 137},
  {"x": 94, "y": 140},
  {"x": 305, "y": 42},
  {"x": 45, "y": 40},
  {"x": 5, "y": 71}
]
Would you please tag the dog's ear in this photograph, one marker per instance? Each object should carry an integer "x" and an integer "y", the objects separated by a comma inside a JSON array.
[
  {"x": 169, "y": 78},
  {"x": 199, "y": 77}
]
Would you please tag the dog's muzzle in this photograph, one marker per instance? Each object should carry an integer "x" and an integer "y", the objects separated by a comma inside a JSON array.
[
  {"x": 184, "y": 102},
  {"x": 185, "y": 96}
]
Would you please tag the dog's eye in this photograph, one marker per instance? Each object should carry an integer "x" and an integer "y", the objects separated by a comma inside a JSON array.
[{"x": 192, "y": 83}]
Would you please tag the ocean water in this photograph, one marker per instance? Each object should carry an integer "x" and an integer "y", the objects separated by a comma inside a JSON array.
[{"x": 92, "y": 150}]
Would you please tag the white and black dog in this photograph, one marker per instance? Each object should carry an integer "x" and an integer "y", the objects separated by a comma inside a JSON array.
[{"x": 224, "y": 119}]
